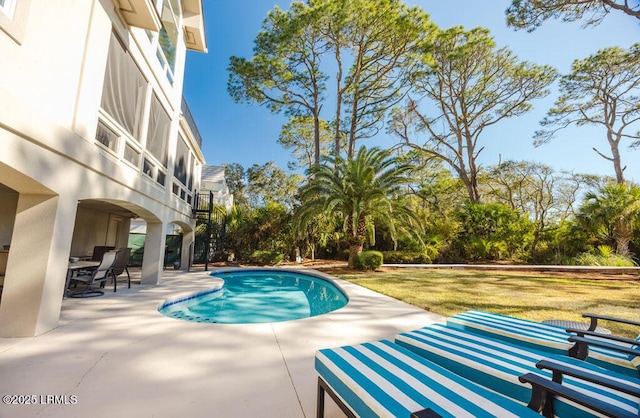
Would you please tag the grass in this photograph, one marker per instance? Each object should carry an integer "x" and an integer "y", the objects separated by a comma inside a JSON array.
[{"x": 524, "y": 295}]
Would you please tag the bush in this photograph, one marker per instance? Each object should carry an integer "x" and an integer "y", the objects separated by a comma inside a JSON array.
[
  {"x": 405, "y": 257},
  {"x": 603, "y": 256},
  {"x": 368, "y": 260},
  {"x": 266, "y": 257}
]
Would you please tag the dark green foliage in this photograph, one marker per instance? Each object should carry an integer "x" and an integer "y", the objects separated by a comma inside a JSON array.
[
  {"x": 492, "y": 231},
  {"x": 405, "y": 257},
  {"x": 612, "y": 214},
  {"x": 363, "y": 191},
  {"x": 368, "y": 260},
  {"x": 266, "y": 228},
  {"x": 266, "y": 257}
]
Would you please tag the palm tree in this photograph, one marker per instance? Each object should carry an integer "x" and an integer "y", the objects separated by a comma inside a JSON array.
[
  {"x": 363, "y": 190},
  {"x": 615, "y": 211}
]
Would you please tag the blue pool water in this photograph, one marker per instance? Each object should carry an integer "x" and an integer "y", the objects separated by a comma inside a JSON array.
[{"x": 256, "y": 296}]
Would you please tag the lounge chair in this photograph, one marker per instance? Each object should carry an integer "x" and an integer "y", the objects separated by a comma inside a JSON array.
[
  {"x": 609, "y": 351},
  {"x": 98, "y": 276},
  {"x": 498, "y": 364},
  {"x": 382, "y": 379}
]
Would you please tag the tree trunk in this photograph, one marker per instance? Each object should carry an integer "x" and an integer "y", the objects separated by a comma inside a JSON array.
[
  {"x": 316, "y": 137},
  {"x": 356, "y": 237},
  {"x": 614, "y": 142},
  {"x": 623, "y": 233},
  {"x": 355, "y": 249}
]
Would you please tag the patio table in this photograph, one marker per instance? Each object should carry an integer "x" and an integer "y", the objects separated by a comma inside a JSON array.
[{"x": 74, "y": 267}]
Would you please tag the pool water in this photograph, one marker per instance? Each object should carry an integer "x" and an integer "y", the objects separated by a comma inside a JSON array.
[{"x": 256, "y": 296}]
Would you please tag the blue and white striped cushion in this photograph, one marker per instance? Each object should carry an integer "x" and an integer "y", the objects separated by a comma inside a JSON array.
[
  {"x": 497, "y": 364},
  {"x": 543, "y": 337},
  {"x": 382, "y": 379}
]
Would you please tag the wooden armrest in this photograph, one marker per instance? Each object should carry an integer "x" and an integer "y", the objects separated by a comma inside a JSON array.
[
  {"x": 594, "y": 320},
  {"x": 589, "y": 377},
  {"x": 543, "y": 391},
  {"x": 615, "y": 347},
  {"x": 582, "y": 333}
]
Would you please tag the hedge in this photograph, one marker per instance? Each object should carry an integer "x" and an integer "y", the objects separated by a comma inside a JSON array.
[
  {"x": 368, "y": 260},
  {"x": 405, "y": 257},
  {"x": 266, "y": 257}
]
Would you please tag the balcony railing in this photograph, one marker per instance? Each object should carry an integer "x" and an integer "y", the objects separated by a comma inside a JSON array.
[{"x": 191, "y": 122}]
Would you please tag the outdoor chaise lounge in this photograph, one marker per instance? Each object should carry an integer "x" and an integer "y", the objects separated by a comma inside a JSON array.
[
  {"x": 499, "y": 365},
  {"x": 615, "y": 353},
  {"x": 382, "y": 379}
]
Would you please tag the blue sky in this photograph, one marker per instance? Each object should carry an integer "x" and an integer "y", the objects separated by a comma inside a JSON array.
[{"x": 247, "y": 134}]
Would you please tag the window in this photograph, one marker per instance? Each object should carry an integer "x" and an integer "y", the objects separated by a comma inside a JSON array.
[
  {"x": 158, "y": 131},
  {"x": 131, "y": 155},
  {"x": 106, "y": 136},
  {"x": 124, "y": 89},
  {"x": 167, "y": 38},
  {"x": 183, "y": 160},
  {"x": 161, "y": 178},
  {"x": 8, "y": 7},
  {"x": 183, "y": 170},
  {"x": 13, "y": 18}
]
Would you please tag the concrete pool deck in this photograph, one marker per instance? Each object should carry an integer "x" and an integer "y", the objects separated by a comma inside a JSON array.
[{"x": 115, "y": 355}]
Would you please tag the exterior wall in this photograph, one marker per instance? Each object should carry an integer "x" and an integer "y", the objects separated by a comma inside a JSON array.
[
  {"x": 50, "y": 94},
  {"x": 213, "y": 180}
]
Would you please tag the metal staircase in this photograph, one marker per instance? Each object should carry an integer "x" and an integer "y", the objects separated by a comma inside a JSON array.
[{"x": 209, "y": 244}]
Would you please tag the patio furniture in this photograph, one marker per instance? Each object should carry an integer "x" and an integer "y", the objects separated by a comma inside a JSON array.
[
  {"x": 121, "y": 265},
  {"x": 498, "y": 364},
  {"x": 612, "y": 352},
  {"x": 575, "y": 325},
  {"x": 382, "y": 379},
  {"x": 79, "y": 266},
  {"x": 99, "y": 275},
  {"x": 99, "y": 250}
]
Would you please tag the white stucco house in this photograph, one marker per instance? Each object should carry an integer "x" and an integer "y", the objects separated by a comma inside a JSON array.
[
  {"x": 94, "y": 132},
  {"x": 213, "y": 181}
]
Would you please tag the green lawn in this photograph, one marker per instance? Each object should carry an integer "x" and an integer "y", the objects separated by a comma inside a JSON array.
[{"x": 529, "y": 296}]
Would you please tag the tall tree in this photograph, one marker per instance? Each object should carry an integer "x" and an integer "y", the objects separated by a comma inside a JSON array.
[
  {"x": 360, "y": 189},
  {"x": 298, "y": 135},
  {"x": 602, "y": 90},
  {"x": 268, "y": 183},
  {"x": 530, "y": 14},
  {"x": 379, "y": 38},
  {"x": 368, "y": 45},
  {"x": 235, "y": 177},
  {"x": 284, "y": 73},
  {"x": 466, "y": 86},
  {"x": 615, "y": 211}
]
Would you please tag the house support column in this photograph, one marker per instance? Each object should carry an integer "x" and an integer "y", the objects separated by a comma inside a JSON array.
[
  {"x": 153, "y": 260},
  {"x": 37, "y": 265},
  {"x": 187, "y": 250}
]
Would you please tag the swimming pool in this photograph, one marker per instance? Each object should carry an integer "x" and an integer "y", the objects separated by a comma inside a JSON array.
[{"x": 258, "y": 296}]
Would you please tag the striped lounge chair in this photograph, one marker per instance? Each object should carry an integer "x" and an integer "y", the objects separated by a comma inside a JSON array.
[
  {"x": 382, "y": 379},
  {"x": 499, "y": 365},
  {"x": 614, "y": 353}
]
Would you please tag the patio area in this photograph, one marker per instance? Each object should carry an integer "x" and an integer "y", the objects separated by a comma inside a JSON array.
[{"x": 115, "y": 355}]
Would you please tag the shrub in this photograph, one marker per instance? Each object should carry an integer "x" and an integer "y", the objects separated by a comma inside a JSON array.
[
  {"x": 368, "y": 260},
  {"x": 405, "y": 257},
  {"x": 266, "y": 257},
  {"x": 588, "y": 259}
]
